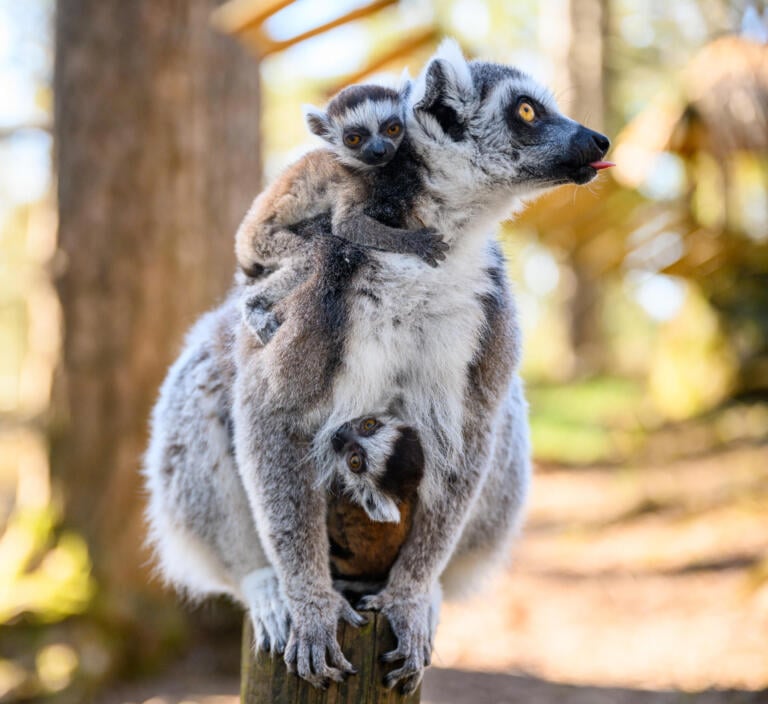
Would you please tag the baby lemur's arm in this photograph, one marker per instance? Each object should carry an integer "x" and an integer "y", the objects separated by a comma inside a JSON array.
[
  {"x": 351, "y": 223},
  {"x": 269, "y": 242}
]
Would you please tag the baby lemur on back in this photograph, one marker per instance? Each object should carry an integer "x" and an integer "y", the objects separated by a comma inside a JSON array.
[{"x": 364, "y": 126}]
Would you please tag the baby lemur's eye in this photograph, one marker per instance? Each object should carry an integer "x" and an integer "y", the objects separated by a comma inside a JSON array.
[
  {"x": 394, "y": 129},
  {"x": 526, "y": 112},
  {"x": 355, "y": 462},
  {"x": 368, "y": 425},
  {"x": 352, "y": 139}
]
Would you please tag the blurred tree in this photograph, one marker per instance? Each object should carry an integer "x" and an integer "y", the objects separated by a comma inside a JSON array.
[
  {"x": 579, "y": 55},
  {"x": 156, "y": 126}
]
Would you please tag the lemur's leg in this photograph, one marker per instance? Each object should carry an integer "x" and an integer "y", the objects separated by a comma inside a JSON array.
[
  {"x": 289, "y": 511},
  {"x": 260, "y": 297},
  {"x": 200, "y": 522},
  {"x": 353, "y": 225}
]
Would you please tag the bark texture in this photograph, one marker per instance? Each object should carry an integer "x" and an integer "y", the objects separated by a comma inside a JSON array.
[{"x": 156, "y": 126}]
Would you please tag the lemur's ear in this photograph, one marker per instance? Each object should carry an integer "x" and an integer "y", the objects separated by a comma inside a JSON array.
[
  {"x": 318, "y": 122},
  {"x": 443, "y": 89}
]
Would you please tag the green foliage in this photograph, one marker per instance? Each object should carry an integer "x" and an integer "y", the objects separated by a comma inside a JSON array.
[{"x": 595, "y": 420}]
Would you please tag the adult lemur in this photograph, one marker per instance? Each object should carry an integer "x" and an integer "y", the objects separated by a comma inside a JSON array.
[
  {"x": 326, "y": 211},
  {"x": 443, "y": 342},
  {"x": 364, "y": 126}
]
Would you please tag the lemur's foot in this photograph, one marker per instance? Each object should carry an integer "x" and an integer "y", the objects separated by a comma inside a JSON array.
[
  {"x": 261, "y": 321},
  {"x": 428, "y": 244},
  {"x": 268, "y": 610},
  {"x": 313, "y": 651},
  {"x": 413, "y": 621}
]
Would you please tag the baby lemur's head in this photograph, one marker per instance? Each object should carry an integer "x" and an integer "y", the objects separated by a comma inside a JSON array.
[
  {"x": 363, "y": 123},
  {"x": 377, "y": 462}
]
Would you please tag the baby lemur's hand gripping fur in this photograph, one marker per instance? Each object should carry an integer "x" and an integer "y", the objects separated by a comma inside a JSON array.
[{"x": 363, "y": 126}]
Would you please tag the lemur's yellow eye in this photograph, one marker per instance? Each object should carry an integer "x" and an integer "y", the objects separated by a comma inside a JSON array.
[
  {"x": 355, "y": 462},
  {"x": 368, "y": 424},
  {"x": 394, "y": 129},
  {"x": 526, "y": 111},
  {"x": 352, "y": 139}
]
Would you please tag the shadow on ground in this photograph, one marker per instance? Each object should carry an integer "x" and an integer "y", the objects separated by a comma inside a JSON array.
[
  {"x": 441, "y": 686},
  {"x": 467, "y": 687}
]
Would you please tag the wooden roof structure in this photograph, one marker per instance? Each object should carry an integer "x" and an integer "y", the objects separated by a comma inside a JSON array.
[
  {"x": 247, "y": 20},
  {"x": 721, "y": 108}
]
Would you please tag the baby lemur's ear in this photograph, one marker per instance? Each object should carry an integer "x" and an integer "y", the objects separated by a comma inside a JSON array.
[
  {"x": 405, "y": 87},
  {"x": 444, "y": 88},
  {"x": 318, "y": 122}
]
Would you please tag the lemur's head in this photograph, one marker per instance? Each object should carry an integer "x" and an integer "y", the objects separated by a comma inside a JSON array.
[
  {"x": 377, "y": 461},
  {"x": 364, "y": 123},
  {"x": 497, "y": 130}
]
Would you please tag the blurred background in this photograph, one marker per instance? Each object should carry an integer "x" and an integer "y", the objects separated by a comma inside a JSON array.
[{"x": 132, "y": 139}]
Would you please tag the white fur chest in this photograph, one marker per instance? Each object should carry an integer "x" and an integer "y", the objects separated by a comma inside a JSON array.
[{"x": 414, "y": 338}]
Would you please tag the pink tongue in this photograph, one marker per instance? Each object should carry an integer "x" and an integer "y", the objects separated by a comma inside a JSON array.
[{"x": 597, "y": 165}]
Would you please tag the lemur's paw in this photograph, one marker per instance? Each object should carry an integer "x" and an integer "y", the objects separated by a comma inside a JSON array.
[
  {"x": 428, "y": 244},
  {"x": 313, "y": 652},
  {"x": 411, "y": 618},
  {"x": 268, "y": 610}
]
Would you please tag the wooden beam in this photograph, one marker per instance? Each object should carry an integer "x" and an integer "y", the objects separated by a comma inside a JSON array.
[
  {"x": 265, "y": 45},
  {"x": 402, "y": 50},
  {"x": 238, "y": 16}
]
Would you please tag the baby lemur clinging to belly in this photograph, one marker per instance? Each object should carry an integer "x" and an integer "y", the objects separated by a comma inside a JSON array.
[
  {"x": 364, "y": 126},
  {"x": 374, "y": 464}
]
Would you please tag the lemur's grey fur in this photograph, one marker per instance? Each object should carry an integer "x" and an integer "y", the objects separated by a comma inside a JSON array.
[
  {"x": 441, "y": 342},
  {"x": 364, "y": 126}
]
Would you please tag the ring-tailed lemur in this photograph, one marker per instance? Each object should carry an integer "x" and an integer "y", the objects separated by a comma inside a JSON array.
[
  {"x": 481, "y": 139},
  {"x": 364, "y": 126}
]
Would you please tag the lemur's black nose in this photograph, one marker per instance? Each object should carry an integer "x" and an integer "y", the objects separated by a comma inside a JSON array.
[
  {"x": 601, "y": 141},
  {"x": 340, "y": 438}
]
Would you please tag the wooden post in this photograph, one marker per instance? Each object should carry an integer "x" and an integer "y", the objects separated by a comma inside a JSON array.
[{"x": 265, "y": 679}]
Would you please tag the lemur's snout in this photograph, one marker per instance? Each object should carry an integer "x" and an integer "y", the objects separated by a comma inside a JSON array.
[
  {"x": 601, "y": 141},
  {"x": 340, "y": 438},
  {"x": 377, "y": 151},
  {"x": 592, "y": 144}
]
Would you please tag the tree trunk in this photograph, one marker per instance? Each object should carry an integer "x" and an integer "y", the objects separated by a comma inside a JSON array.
[{"x": 156, "y": 126}]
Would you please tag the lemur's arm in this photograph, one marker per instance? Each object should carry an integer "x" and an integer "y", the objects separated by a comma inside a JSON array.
[
  {"x": 444, "y": 509},
  {"x": 289, "y": 511},
  {"x": 351, "y": 223}
]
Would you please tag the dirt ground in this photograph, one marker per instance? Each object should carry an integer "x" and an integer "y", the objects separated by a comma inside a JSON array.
[{"x": 645, "y": 585}]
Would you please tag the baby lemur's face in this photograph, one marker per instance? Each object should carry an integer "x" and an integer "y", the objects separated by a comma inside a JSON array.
[
  {"x": 364, "y": 124},
  {"x": 377, "y": 462}
]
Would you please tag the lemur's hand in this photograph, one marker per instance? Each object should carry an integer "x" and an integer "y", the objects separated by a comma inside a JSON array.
[
  {"x": 428, "y": 244},
  {"x": 313, "y": 637},
  {"x": 413, "y": 621}
]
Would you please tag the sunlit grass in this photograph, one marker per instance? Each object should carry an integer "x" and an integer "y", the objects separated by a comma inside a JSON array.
[{"x": 587, "y": 421}]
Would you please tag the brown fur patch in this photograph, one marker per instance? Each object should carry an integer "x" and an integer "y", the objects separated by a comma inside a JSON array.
[{"x": 363, "y": 549}]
